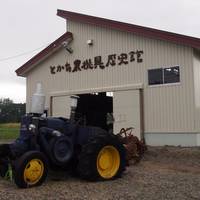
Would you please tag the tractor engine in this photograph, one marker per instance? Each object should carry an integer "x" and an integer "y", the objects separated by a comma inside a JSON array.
[
  {"x": 53, "y": 136},
  {"x": 56, "y": 138}
]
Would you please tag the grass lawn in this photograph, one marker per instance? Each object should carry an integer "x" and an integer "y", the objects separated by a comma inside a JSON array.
[{"x": 9, "y": 131}]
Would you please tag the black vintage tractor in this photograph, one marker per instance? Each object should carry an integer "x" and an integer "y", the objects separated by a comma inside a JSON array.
[{"x": 58, "y": 143}]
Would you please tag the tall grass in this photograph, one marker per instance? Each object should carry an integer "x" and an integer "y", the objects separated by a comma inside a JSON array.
[{"x": 9, "y": 131}]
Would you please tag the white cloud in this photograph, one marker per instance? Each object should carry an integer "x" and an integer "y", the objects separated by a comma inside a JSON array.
[{"x": 15, "y": 92}]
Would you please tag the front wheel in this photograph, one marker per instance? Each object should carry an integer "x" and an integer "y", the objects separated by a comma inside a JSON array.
[
  {"x": 30, "y": 169},
  {"x": 103, "y": 158}
]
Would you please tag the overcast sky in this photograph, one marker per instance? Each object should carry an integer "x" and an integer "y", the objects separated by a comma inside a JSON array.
[{"x": 27, "y": 25}]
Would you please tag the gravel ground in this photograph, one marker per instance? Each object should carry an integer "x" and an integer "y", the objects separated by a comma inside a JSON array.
[{"x": 164, "y": 173}]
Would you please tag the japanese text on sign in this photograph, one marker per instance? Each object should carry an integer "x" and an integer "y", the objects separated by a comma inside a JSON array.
[{"x": 97, "y": 62}]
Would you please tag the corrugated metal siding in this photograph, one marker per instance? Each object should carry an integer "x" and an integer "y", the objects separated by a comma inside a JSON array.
[
  {"x": 196, "y": 61},
  {"x": 166, "y": 108},
  {"x": 126, "y": 107},
  {"x": 61, "y": 106}
]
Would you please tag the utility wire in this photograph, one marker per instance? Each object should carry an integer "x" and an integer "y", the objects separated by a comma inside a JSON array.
[{"x": 22, "y": 54}]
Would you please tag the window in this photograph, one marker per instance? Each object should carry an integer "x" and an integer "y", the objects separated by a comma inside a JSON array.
[
  {"x": 171, "y": 75},
  {"x": 155, "y": 76},
  {"x": 164, "y": 75}
]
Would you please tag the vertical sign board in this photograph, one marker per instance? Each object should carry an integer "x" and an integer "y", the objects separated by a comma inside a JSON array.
[
  {"x": 126, "y": 109},
  {"x": 61, "y": 106}
]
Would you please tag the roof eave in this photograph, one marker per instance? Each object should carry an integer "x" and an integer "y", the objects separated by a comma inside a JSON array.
[{"x": 42, "y": 55}]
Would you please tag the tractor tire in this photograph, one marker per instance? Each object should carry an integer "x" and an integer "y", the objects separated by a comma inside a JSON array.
[
  {"x": 30, "y": 169},
  {"x": 102, "y": 158}
]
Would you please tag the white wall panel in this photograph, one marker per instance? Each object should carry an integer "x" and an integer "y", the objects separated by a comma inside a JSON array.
[
  {"x": 197, "y": 88},
  {"x": 126, "y": 109},
  {"x": 61, "y": 106}
]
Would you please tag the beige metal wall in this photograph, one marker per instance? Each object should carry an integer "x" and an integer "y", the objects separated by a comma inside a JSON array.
[
  {"x": 61, "y": 106},
  {"x": 167, "y": 108},
  {"x": 197, "y": 88},
  {"x": 126, "y": 109}
]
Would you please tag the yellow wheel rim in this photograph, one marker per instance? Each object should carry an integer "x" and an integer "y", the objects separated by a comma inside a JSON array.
[
  {"x": 108, "y": 162},
  {"x": 33, "y": 171}
]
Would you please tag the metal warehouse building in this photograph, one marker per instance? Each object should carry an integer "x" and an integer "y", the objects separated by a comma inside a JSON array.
[{"x": 145, "y": 78}]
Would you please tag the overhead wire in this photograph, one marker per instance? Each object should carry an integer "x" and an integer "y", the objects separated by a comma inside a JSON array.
[{"x": 22, "y": 54}]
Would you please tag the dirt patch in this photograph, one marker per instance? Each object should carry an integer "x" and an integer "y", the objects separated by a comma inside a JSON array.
[{"x": 164, "y": 173}]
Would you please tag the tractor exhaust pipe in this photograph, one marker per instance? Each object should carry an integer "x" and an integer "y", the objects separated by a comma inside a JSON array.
[{"x": 38, "y": 101}]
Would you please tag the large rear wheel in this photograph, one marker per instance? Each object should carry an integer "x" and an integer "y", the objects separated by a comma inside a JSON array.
[{"x": 102, "y": 158}]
